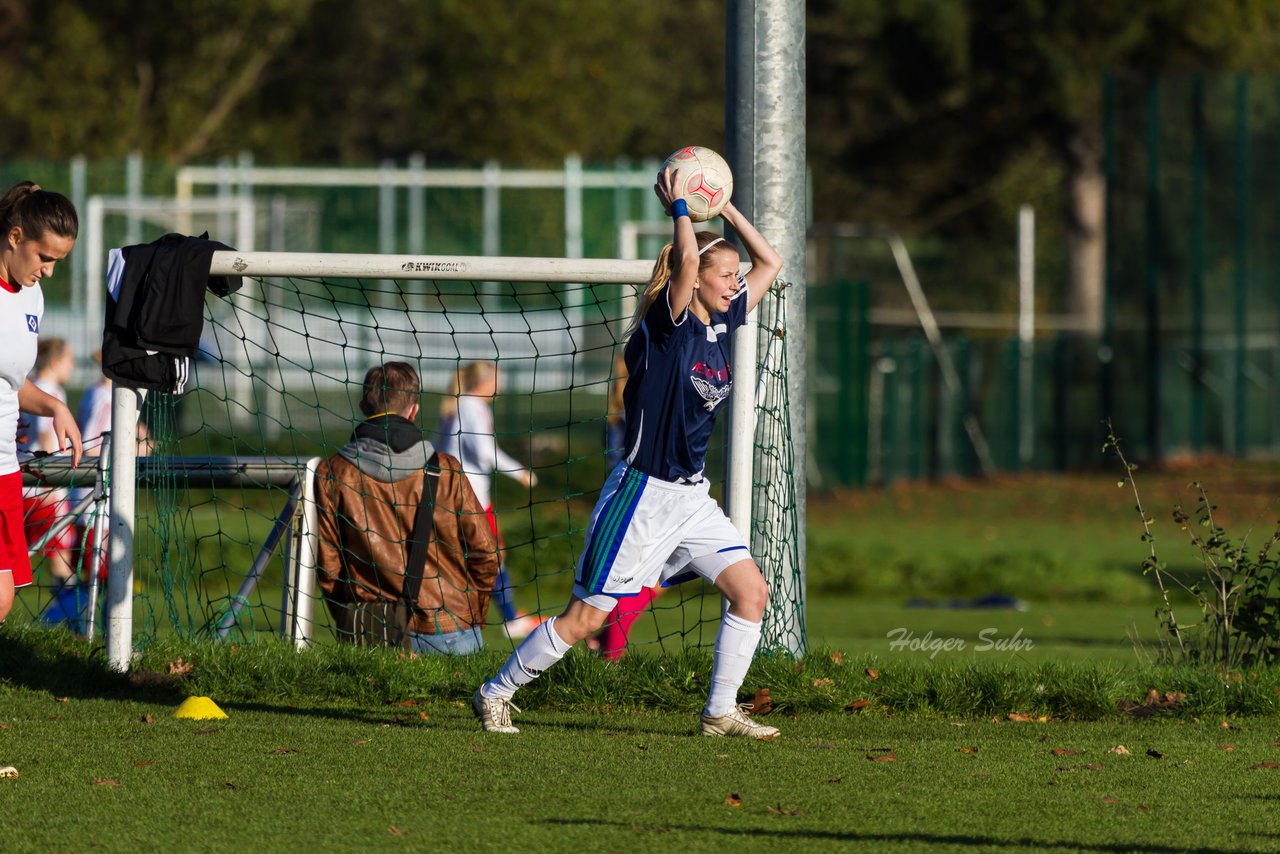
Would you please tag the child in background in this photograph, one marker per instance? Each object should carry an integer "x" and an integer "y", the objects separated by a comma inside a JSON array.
[
  {"x": 42, "y": 506},
  {"x": 466, "y": 432}
]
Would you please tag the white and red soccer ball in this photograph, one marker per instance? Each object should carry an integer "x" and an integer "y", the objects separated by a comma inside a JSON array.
[{"x": 705, "y": 180}]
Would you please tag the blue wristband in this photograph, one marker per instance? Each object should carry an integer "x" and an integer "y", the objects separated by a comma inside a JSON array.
[{"x": 679, "y": 208}]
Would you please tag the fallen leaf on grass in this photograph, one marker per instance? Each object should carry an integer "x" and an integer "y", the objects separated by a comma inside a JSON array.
[
  {"x": 475, "y": 746},
  {"x": 857, "y": 705},
  {"x": 1119, "y": 750},
  {"x": 147, "y": 719},
  {"x": 1155, "y": 754},
  {"x": 280, "y": 751},
  {"x": 837, "y": 657},
  {"x": 1144, "y": 808},
  {"x": 1062, "y": 751},
  {"x": 405, "y": 703},
  {"x": 101, "y": 782},
  {"x": 823, "y": 682},
  {"x": 1153, "y": 703},
  {"x": 781, "y": 810},
  {"x": 872, "y": 673},
  {"x": 1107, "y": 799},
  {"x": 1018, "y": 717},
  {"x": 457, "y": 704},
  {"x": 227, "y": 784},
  {"x": 969, "y": 750},
  {"x": 5, "y": 726},
  {"x": 179, "y": 668},
  {"x": 360, "y": 741},
  {"x": 397, "y": 831},
  {"x": 142, "y": 763},
  {"x": 734, "y": 800},
  {"x": 63, "y": 699},
  {"x": 883, "y": 757},
  {"x": 762, "y": 703},
  {"x": 1261, "y": 765},
  {"x": 1092, "y": 766},
  {"x": 424, "y": 716},
  {"x": 1226, "y": 747}
]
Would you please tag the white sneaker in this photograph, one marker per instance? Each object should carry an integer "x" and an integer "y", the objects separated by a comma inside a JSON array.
[
  {"x": 736, "y": 722},
  {"x": 494, "y": 712},
  {"x": 521, "y": 626}
]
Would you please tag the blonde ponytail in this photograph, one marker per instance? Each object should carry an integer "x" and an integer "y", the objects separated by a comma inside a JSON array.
[
  {"x": 465, "y": 378},
  {"x": 661, "y": 274}
]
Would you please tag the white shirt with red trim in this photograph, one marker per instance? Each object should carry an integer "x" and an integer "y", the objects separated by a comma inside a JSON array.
[{"x": 20, "y": 317}]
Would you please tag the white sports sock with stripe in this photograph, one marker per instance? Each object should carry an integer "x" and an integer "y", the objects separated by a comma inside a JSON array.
[
  {"x": 736, "y": 644},
  {"x": 541, "y": 649}
]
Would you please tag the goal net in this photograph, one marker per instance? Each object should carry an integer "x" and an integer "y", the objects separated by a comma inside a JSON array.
[{"x": 224, "y": 543}]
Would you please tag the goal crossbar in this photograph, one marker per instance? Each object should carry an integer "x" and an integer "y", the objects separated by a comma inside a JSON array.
[{"x": 445, "y": 267}]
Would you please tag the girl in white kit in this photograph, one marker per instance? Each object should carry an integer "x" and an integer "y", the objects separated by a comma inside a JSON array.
[{"x": 37, "y": 230}]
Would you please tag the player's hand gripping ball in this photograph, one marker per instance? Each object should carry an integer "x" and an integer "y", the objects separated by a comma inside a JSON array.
[{"x": 705, "y": 182}]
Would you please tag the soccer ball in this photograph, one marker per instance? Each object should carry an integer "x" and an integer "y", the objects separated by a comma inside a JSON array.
[{"x": 705, "y": 181}]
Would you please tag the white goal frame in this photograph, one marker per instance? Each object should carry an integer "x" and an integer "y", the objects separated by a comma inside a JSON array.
[{"x": 125, "y": 406}]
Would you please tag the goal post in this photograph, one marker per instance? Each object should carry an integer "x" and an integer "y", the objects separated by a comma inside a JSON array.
[{"x": 319, "y": 321}]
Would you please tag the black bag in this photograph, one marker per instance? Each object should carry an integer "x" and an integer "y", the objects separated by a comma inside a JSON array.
[{"x": 385, "y": 622}]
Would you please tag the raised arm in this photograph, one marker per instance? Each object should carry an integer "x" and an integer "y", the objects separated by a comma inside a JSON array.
[
  {"x": 684, "y": 249},
  {"x": 766, "y": 263}
]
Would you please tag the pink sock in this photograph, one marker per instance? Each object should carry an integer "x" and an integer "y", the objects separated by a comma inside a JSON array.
[{"x": 613, "y": 638}]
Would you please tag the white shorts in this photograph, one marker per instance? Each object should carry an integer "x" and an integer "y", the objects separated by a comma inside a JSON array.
[{"x": 645, "y": 531}]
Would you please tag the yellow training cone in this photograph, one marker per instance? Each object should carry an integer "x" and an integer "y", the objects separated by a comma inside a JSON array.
[{"x": 199, "y": 709}]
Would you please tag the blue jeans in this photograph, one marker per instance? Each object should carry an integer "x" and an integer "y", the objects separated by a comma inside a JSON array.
[{"x": 451, "y": 643}]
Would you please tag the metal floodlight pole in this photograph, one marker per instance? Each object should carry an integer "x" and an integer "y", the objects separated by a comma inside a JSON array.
[{"x": 765, "y": 145}]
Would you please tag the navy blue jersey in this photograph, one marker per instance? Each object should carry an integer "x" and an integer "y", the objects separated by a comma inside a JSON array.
[{"x": 678, "y": 377}]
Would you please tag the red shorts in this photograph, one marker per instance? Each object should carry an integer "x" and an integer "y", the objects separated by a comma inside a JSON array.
[
  {"x": 42, "y": 512},
  {"x": 13, "y": 542},
  {"x": 493, "y": 524}
]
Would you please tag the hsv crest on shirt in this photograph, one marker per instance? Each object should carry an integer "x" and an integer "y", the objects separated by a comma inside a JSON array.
[{"x": 704, "y": 379}]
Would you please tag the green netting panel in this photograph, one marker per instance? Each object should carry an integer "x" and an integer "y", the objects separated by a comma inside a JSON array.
[
  {"x": 775, "y": 534},
  {"x": 278, "y": 382}
]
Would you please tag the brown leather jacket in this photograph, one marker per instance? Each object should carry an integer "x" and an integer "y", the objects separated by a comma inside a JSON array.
[{"x": 368, "y": 496}]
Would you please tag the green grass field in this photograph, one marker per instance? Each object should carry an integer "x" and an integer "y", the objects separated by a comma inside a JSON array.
[
  {"x": 341, "y": 749},
  {"x": 119, "y": 775}
]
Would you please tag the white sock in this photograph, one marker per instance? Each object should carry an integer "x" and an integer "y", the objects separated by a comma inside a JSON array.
[
  {"x": 541, "y": 649},
  {"x": 735, "y": 646}
]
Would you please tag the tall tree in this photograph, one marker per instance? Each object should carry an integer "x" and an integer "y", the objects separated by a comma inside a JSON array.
[{"x": 933, "y": 115}]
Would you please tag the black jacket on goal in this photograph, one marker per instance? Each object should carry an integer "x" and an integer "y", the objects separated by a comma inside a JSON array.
[{"x": 155, "y": 312}]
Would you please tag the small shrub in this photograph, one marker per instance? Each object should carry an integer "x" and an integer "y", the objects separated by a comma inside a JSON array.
[{"x": 1235, "y": 590}]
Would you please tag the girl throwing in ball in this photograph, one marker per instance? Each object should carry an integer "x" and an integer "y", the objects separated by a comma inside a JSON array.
[{"x": 655, "y": 521}]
